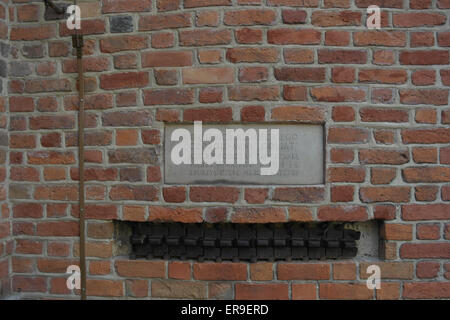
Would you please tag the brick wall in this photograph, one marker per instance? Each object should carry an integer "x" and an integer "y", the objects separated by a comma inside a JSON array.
[
  {"x": 5, "y": 224},
  {"x": 382, "y": 95}
]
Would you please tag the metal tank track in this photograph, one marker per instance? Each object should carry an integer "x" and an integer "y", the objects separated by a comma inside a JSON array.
[{"x": 242, "y": 242}]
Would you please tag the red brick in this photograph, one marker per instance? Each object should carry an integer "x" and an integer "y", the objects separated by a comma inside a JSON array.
[
  {"x": 443, "y": 4},
  {"x": 250, "y": 93},
  {"x": 174, "y": 194},
  {"x": 336, "y": 3},
  {"x": 293, "y": 36},
  {"x": 255, "y": 195},
  {"x": 294, "y": 3},
  {"x": 185, "y": 215},
  {"x": 207, "y": 18},
  {"x": 272, "y": 291},
  {"x": 253, "y": 74},
  {"x": 397, "y": 231},
  {"x": 122, "y": 43},
  {"x": 299, "y": 194},
  {"x": 382, "y": 76},
  {"x": 261, "y": 271},
  {"x": 164, "y": 21},
  {"x": 344, "y": 271},
  {"x": 253, "y": 113},
  {"x": 425, "y": 250},
  {"x": 163, "y": 40},
  {"x": 180, "y": 270},
  {"x": 389, "y": 270},
  {"x": 426, "y": 290},
  {"x": 385, "y": 194},
  {"x": 58, "y": 249},
  {"x": 341, "y": 155},
  {"x": 178, "y": 289},
  {"x": 153, "y": 174},
  {"x": 294, "y": 16},
  {"x": 167, "y": 115},
  {"x": 166, "y": 59},
  {"x": 382, "y": 175},
  {"x": 204, "y": 37},
  {"x": 338, "y": 94},
  {"x": 426, "y": 174},
  {"x": 209, "y": 56},
  {"x": 258, "y": 215},
  {"x": 295, "y": 93},
  {"x": 343, "y": 75},
  {"x": 33, "y": 33},
  {"x": 426, "y": 136},
  {"x": 298, "y": 113},
  {"x": 206, "y": 3},
  {"x": 208, "y": 115},
  {"x": 207, "y": 75},
  {"x": 58, "y": 229},
  {"x": 336, "y": 18},
  {"x": 337, "y": 38},
  {"x": 21, "y": 104},
  {"x": 417, "y": 212},
  {"x": 168, "y": 96},
  {"x": 141, "y": 269},
  {"x": 300, "y": 74},
  {"x": 27, "y": 210},
  {"x": 383, "y": 115},
  {"x": 428, "y": 231},
  {"x": 124, "y": 80},
  {"x": 380, "y": 38},
  {"x": 423, "y": 57},
  {"x": 383, "y": 156},
  {"x": 347, "y": 291},
  {"x": 210, "y": 95},
  {"x": 343, "y": 114},
  {"x": 104, "y": 288},
  {"x": 303, "y": 291},
  {"x": 342, "y": 213},
  {"x": 294, "y": 55},
  {"x": 220, "y": 271},
  {"x": 262, "y": 55},
  {"x": 22, "y": 141},
  {"x": 24, "y": 246},
  {"x": 133, "y": 192},
  {"x": 346, "y": 174},
  {"x": 445, "y": 77},
  {"x": 29, "y": 284},
  {"x": 249, "y": 17},
  {"x": 303, "y": 271},
  {"x": 213, "y": 215},
  {"x": 116, "y": 6},
  {"x": 342, "y": 193},
  {"x": 426, "y": 116},
  {"x": 427, "y": 269},
  {"x": 342, "y": 56},
  {"x": 137, "y": 288},
  {"x": 248, "y": 36},
  {"x": 88, "y": 27},
  {"x": 418, "y": 19}
]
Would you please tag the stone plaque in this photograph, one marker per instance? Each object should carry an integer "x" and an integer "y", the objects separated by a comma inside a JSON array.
[{"x": 281, "y": 154}]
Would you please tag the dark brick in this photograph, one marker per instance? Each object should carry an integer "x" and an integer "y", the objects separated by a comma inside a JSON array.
[{"x": 119, "y": 24}]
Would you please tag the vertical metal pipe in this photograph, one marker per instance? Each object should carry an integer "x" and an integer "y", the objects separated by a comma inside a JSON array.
[{"x": 78, "y": 44}]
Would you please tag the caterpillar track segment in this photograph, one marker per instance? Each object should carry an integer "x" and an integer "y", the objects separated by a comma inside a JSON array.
[{"x": 242, "y": 242}]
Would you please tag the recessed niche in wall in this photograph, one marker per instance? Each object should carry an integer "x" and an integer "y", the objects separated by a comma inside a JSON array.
[{"x": 247, "y": 242}]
